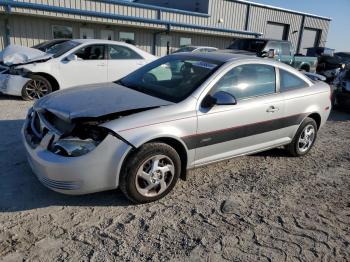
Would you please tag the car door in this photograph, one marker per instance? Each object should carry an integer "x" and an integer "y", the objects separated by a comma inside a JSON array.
[
  {"x": 122, "y": 61},
  {"x": 89, "y": 67},
  {"x": 254, "y": 123}
]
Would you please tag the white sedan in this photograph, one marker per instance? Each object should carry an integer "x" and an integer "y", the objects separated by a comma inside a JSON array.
[{"x": 31, "y": 73}]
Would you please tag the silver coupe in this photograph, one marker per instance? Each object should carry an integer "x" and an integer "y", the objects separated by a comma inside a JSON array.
[{"x": 142, "y": 132}]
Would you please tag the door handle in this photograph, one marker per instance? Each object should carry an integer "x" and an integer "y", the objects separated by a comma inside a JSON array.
[
  {"x": 272, "y": 109},
  {"x": 101, "y": 64}
]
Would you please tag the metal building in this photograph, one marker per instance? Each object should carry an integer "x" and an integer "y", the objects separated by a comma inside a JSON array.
[{"x": 157, "y": 26}]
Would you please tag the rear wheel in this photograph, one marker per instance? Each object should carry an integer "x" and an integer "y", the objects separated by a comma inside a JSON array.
[
  {"x": 304, "y": 139},
  {"x": 150, "y": 173},
  {"x": 36, "y": 88}
]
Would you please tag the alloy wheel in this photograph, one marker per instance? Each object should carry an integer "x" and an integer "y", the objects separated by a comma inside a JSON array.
[
  {"x": 306, "y": 138},
  {"x": 36, "y": 89},
  {"x": 155, "y": 175}
]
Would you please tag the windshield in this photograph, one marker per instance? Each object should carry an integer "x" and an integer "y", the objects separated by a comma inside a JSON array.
[
  {"x": 60, "y": 49},
  {"x": 172, "y": 78},
  {"x": 185, "y": 49},
  {"x": 44, "y": 46},
  {"x": 252, "y": 45}
]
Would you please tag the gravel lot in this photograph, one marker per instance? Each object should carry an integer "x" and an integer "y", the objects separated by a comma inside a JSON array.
[{"x": 268, "y": 207}]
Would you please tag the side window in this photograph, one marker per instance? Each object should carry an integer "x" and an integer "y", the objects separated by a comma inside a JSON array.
[
  {"x": 290, "y": 81},
  {"x": 286, "y": 49},
  {"x": 91, "y": 52},
  {"x": 248, "y": 81},
  {"x": 274, "y": 45},
  {"x": 117, "y": 52}
]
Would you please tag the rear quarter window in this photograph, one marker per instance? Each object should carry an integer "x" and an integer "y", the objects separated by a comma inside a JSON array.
[{"x": 290, "y": 81}]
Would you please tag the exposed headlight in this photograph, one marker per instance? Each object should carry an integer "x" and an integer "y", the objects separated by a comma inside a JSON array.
[
  {"x": 73, "y": 146},
  {"x": 82, "y": 140},
  {"x": 18, "y": 71}
]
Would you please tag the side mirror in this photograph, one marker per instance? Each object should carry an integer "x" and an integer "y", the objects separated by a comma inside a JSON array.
[
  {"x": 219, "y": 98},
  {"x": 72, "y": 57}
]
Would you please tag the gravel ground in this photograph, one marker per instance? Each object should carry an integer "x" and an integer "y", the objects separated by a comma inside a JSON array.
[{"x": 267, "y": 207}]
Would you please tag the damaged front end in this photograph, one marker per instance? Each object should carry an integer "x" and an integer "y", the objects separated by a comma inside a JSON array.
[
  {"x": 65, "y": 138},
  {"x": 12, "y": 80}
]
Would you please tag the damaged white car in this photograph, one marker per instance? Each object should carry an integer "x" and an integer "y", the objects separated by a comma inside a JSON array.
[{"x": 32, "y": 73}]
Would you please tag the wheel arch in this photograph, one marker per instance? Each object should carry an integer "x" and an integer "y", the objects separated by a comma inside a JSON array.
[
  {"x": 317, "y": 117},
  {"x": 175, "y": 143},
  {"x": 53, "y": 81}
]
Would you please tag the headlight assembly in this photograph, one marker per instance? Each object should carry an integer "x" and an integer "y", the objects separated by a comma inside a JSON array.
[
  {"x": 18, "y": 71},
  {"x": 82, "y": 140},
  {"x": 72, "y": 146}
]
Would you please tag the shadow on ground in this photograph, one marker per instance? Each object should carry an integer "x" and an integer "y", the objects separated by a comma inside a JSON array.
[{"x": 21, "y": 190}]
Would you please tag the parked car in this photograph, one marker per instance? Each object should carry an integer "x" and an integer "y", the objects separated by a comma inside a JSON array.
[
  {"x": 341, "y": 94},
  {"x": 31, "y": 73},
  {"x": 196, "y": 49},
  {"x": 279, "y": 50},
  {"x": 328, "y": 64},
  {"x": 141, "y": 133},
  {"x": 344, "y": 57}
]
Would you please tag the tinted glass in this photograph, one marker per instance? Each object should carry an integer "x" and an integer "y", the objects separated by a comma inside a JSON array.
[
  {"x": 91, "y": 52},
  {"x": 274, "y": 45},
  {"x": 60, "y": 49},
  {"x": 290, "y": 81},
  {"x": 248, "y": 81},
  {"x": 285, "y": 49},
  {"x": 253, "y": 45},
  {"x": 122, "y": 52},
  {"x": 170, "y": 78},
  {"x": 48, "y": 44}
]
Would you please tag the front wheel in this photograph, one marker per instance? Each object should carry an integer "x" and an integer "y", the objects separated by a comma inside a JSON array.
[
  {"x": 36, "y": 88},
  {"x": 150, "y": 173},
  {"x": 304, "y": 139}
]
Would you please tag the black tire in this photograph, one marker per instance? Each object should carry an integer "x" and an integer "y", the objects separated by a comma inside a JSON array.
[
  {"x": 37, "y": 92},
  {"x": 128, "y": 176},
  {"x": 293, "y": 148}
]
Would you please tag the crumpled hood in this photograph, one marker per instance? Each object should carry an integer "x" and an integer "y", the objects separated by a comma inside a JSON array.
[
  {"x": 238, "y": 52},
  {"x": 93, "y": 101},
  {"x": 16, "y": 54}
]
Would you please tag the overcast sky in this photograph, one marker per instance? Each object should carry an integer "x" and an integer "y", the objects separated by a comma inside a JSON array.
[{"x": 338, "y": 10}]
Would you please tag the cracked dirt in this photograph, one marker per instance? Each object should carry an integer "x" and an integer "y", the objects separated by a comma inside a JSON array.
[{"x": 266, "y": 207}]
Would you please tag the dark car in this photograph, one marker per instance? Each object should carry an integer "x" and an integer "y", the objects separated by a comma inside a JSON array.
[
  {"x": 341, "y": 94},
  {"x": 328, "y": 63},
  {"x": 343, "y": 56}
]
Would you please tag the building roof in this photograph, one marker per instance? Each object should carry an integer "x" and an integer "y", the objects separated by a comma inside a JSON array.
[{"x": 280, "y": 9}]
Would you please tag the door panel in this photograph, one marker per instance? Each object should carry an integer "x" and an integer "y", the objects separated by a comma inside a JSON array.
[
  {"x": 225, "y": 131},
  {"x": 90, "y": 68},
  {"x": 255, "y": 122}
]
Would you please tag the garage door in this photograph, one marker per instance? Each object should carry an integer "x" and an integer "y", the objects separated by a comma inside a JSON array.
[
  {"x": 310, "y": 39},
  {"x": 276, "y": 31}
]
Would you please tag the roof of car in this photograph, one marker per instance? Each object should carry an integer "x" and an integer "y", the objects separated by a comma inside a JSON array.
[
  {"x": 214, "y": 56},
  {"x": 200, "y": 46},
  {"x": 97, "y": 41}
]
